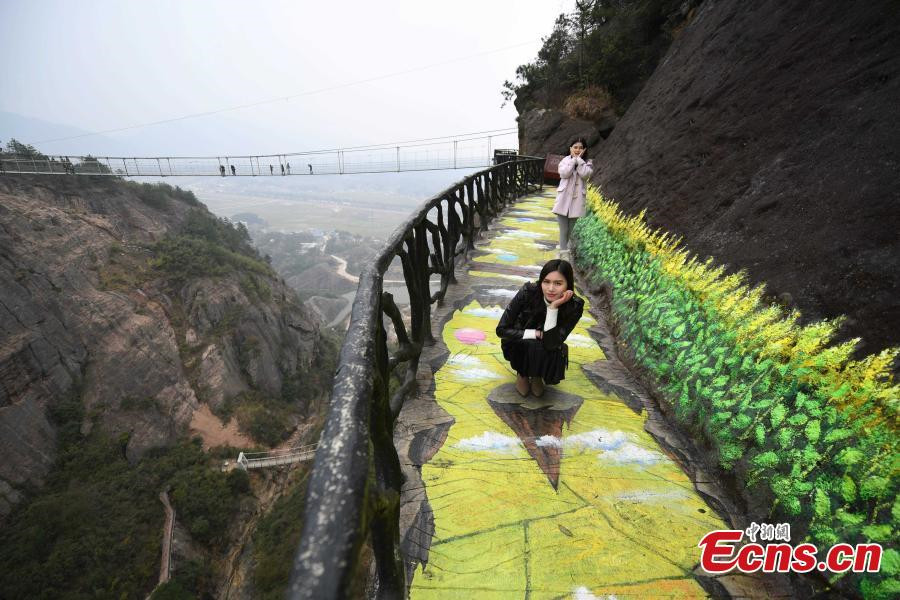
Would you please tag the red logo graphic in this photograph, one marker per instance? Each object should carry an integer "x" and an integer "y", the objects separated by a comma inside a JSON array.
[{"x": 720, "y": 555}]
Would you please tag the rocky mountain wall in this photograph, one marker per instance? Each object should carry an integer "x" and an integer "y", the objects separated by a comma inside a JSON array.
[
  {"x": 84, "y": 311},
  {"x": 768, "y": 138}
]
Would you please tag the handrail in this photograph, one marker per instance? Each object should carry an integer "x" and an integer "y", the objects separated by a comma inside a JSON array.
[{"x": 354, "y": 488}]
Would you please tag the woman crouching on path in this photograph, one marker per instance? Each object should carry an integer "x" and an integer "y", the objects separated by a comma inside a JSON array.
[
  {"x": 574, "y": 172},
  {"x": 535, "y": 325}
]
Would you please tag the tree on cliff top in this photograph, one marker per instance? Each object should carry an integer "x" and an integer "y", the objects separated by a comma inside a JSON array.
[
  {"x": 14, "y": 146},
  {"x": 613, "y": 45}
]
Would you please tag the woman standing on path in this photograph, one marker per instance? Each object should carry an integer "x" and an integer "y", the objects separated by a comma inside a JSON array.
[
  {"x": 535, "y": 325},
  {"x": 574, "y": 172}
]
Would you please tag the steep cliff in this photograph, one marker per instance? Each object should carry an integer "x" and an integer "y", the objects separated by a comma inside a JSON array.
[
  {"x": 139, "y": 302},
  {"x": 768, "y": 138}
]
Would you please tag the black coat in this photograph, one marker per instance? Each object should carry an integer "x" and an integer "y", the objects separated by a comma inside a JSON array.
[{"x": 528, "y": 311}]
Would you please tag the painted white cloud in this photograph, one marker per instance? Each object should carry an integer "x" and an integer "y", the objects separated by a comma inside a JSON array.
[
  {"x": 493, "y": 312},
  {"x": 470, "y": 374},
  {"x": 615, "y": 446},
  {"x": 598, "y": 439},
  {"x": 580, "y": 341},
  {"x": 582, "y": 593},
  {"x": 549, "y": 440},
  {"x": 490, "y": 441},
  {"x": 630, "y": 453},
  {"x": 521, "y": 233},
  {"x": 464, "y": 360},
  {"x": 646, "y": 496},
  {"x": 502, "y": 292},
  {"x": 469, "y": 367}
]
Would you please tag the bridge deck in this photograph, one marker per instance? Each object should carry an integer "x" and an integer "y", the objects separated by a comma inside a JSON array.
[
  {"x": 275, "y": 458},
  {"x": 564, "y": 496}
]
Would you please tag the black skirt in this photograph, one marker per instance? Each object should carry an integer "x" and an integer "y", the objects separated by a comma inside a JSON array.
[{"x": 529, "y": 358}]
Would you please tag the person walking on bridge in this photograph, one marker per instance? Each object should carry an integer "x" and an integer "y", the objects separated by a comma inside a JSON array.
[
  {"x": 574, "y": 172},
  {"x": 535, "y": 325}
]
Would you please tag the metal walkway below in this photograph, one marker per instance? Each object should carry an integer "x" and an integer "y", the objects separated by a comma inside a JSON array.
[{"x": 274, "y": 458}]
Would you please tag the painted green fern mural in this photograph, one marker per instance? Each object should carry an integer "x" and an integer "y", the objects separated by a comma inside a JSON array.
[{"x": 791, "y": 415}]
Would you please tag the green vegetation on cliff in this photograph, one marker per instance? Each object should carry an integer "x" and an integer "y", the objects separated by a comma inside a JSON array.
[
  {"x": 606, "y": 49},
  {"x": 95, "y": 529},
  {"x": 55, "y": 164},
  {"x": 208, "y": 246},
  {"x": 276, "y": 539}
]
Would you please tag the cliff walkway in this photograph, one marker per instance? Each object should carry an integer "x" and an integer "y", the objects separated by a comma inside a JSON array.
[
  {"x": 567, "y": 495},
  {"x": 464, "y": 488}
]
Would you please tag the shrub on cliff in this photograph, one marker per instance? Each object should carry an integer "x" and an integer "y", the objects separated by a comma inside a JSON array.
[
  {"x": 158, "y": 195},
  {"x": 276, "y": 538},
  {"x": 206, "y": 246},
  {"x": 611, "y": 44},
  {"x": 95, "y": 529}
]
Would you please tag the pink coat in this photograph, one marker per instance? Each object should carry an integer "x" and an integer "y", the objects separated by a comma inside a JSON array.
[{"x": 573, "y": 175}]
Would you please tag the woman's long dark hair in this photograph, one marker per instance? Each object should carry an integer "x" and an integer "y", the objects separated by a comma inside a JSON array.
[{"x": 565, "y": 269}]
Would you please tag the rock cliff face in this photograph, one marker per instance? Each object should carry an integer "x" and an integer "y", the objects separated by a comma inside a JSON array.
[
  {"x": 545, "y": 131},
  {"x": 768, "y": 138},
  {"x": 84, "y": 311}
]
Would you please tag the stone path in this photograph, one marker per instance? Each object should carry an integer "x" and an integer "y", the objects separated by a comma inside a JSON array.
[{"x": 566, "y": 496}]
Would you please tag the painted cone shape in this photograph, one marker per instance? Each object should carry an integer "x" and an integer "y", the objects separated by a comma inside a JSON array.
[{"x": 531, "y": 420}]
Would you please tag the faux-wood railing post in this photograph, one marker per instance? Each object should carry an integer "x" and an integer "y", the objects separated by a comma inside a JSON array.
[
  {"x": 456, "y": 230},
  {"x": 483, "y": 212},
  {"x": 469, "y": 208},
  {"x": 425, "y": 282},
  {"x": 384, "y": 499},
  {"x": 495, "y": 192},
  {"x": 478, "y": 221},
  {"x": 451, "y": 239},
  {"x": 413, "y": 286}
]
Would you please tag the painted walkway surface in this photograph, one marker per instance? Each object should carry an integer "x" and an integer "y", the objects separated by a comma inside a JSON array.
[{"x": 564, "y": 496}]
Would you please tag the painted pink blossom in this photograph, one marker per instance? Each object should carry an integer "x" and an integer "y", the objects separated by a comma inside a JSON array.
[{"x": 467, "y": 335}]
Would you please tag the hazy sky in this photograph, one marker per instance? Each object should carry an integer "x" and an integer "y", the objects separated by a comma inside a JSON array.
[{"x": 100, "y": 65}]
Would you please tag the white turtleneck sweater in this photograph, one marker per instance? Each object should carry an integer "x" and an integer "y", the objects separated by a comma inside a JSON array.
[{"x": 549, "y": 322}]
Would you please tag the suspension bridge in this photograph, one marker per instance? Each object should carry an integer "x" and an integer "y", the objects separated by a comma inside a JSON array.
[{"x": 461, "y": 151}]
